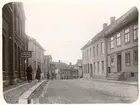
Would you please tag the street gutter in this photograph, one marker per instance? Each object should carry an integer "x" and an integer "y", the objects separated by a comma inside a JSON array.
[{"x": 24, "y": 98}]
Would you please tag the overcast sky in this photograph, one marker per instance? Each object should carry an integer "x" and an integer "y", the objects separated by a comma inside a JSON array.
[{"x": 63, "y": 28}]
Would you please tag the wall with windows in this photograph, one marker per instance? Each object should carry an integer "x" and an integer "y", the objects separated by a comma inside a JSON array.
[
  {"x": 94, "y": 59},
  {"x": 124, "y": 42}
]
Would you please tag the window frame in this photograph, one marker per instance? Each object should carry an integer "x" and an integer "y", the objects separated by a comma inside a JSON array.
[
  {"x": 112, "y": 64},
  {"x": 127, "y": 60},
  {"x": 134, "y": 60},
  {"x": 127, "y": 35},
  {"x": 94, "y": 51},
  {"x": 97, "y": 49},
  {"x": 118, "y": 39},
  {"x": 112, "y": 42},
  {"x": 135, "y": 29},
  {"x": 102, "y": 47}
]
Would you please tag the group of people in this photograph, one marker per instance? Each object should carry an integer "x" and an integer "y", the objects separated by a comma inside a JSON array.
[{"x": 29, "y": 71}]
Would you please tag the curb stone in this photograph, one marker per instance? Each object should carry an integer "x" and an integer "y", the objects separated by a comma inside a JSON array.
[
  {"x": 117, "y": 82},
  {"x": 24, "y": 98}
]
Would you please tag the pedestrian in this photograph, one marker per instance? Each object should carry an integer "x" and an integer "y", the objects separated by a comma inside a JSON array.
[
  {"x": 29, "y": 71},
  {"x": 38, "y": 73}
]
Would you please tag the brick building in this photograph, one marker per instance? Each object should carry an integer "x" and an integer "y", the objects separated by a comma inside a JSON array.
[
  {"x": 122, "y": 46},
  {"x": 37, "y": 55},
  {"x": 14, "y": 42}
]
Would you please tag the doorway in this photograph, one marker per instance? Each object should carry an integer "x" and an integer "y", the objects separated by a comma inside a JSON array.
[{"x": 119, "y": 66}]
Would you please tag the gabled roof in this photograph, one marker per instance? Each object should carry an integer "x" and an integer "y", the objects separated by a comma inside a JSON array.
[
  {"x": 96, "y": 37},
  {"x": 119, "y": 23},
  {"x": 61, "y": 65},
  {"x": 125, "y": 19}
]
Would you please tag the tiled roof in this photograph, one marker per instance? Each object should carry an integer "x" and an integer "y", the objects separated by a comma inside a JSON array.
[
  {"x": 96, "y": 37},
  {"x": 61, "y": 65},
  {"x": 119, "y": 23},
  {"x": 125, "y": 19}
]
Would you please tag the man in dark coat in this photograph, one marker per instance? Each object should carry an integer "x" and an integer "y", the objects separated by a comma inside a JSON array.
[
  {"x": 29, "y": 71},
  {"x": 38, "y": 73}
]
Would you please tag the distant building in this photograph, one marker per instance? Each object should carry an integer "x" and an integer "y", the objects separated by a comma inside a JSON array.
[
  {"x": 122, "y": 50},
  {"x": 37, "y": 55},
  {"x": 78, "y": 66},
  {"x": 62, "y": 70},
  {"x": 14, "y": 43}
]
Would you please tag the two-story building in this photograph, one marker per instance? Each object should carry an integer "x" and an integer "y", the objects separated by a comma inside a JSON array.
[
  {"x": 113, "y": 52},
  {"x": 122, "y": 46},
  {"x": 37, "y": 55},
  {"x": 94, "y": 55}
]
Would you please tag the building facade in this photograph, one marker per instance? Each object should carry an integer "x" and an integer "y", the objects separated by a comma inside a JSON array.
[
  {"x": 94, "y": 56},
  {"x": 122, "y": 42},
  {"x": 37, "y": 55},
  {"x": 13, "y": 37}
]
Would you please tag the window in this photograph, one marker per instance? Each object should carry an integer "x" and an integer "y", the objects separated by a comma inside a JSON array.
[
  {"x": 102, "y": 47},
  {"x": 112, "y": 60},
  {"x": 135, "y": 35},
  {"x": 118, "y": 39},
  {"x": 87, "y": 54},
  {"x": 97, "y": 49},
  {"x": 93, "y": 51},
  {"x": 112, "y": 42},
  {"x": 127, "y": 58},
  {"x": 126, "y": 35},
  {"x": 102, "y": 66},
  {"x": 83, "y": 55},
  {"x": 90, "y": 52},
  {"x": 132, "y": 74},
  {"x": 135, "y": 56}
]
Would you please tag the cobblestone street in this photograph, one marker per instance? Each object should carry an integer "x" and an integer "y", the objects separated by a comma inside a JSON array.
[{"x": 85, "y": 91}]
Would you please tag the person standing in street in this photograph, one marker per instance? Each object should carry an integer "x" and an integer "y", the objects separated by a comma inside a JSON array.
[
  {"x": 38, "y": 73},
  {"x": 29, "y": 71}
]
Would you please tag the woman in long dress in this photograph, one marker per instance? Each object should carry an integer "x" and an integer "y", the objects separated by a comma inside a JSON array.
[
  {"x": 38, "y": 73},
  {"x": 29, "y": 73}
]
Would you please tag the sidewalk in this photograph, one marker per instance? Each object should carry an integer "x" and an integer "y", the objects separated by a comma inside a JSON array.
[
  {"x": 113, "y": 81},
  {"x": 12, "y": 94}
]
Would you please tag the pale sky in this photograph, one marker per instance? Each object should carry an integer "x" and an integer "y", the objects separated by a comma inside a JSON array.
[{"x": 63, "y": 28}]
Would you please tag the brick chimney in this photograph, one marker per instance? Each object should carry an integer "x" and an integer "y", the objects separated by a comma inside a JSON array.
[
  {"x": 104, "y": 25},
  {"x": 112, "y": 20}
]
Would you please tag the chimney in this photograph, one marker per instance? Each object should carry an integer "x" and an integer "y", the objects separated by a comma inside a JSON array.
[
  {"x": 104, "y": 25},
  {"x": 112, "y": 20}
]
